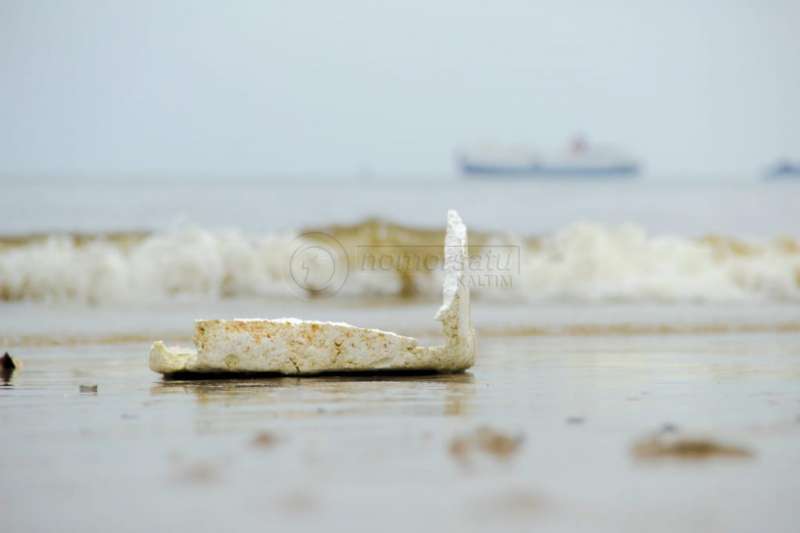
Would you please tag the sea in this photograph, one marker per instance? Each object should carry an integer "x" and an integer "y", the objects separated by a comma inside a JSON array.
[{"x": 667, "y": 242}]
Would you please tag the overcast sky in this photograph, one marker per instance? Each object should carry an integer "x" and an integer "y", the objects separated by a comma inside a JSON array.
[{"x": 274, "y": 88}]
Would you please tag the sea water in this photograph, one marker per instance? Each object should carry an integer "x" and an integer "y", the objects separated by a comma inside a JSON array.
[{"x": 566, "y": 241}]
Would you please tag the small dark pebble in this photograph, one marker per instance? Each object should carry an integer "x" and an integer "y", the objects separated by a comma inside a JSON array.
[
  {"x": 88, "y": 388},
  {"x": 575, "y": 420},
  {"x": 7, "y": 367},
  {"x": 7, "y": 363}
]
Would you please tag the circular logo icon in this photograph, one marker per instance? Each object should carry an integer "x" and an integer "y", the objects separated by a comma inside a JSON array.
[{"x": 318, "y": 266}]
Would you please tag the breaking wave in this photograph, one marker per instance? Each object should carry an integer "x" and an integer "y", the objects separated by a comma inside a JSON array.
[{"x": 581, "y": 262}]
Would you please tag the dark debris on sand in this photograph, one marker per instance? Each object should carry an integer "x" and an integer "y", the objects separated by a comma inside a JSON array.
[
  {"x": 487, "y": 440},
  {"x": 7, "y": 363},
  {"x": 669, "y": 444},
  {"x": 7, "y": 367},
  {"x": 264, "y": 439}
]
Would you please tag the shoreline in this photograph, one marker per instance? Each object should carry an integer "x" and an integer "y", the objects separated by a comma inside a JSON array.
[{"x": 39, "y": 324}]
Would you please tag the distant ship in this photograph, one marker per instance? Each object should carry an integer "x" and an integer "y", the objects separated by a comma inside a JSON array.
[
  {"x": 580, "y": 160},
  {"x": 785, "y": 169}
]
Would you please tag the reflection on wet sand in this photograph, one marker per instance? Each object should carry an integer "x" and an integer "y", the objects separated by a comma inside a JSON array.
[{"x": 351, "y": 394}]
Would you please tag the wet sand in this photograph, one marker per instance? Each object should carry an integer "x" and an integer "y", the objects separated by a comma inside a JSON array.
[{"x": 543, "y": 431}]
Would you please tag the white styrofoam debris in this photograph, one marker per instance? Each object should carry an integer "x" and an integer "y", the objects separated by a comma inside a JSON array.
[{"x": 292, "y": 346}]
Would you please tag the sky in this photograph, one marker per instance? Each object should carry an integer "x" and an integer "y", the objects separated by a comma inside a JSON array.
[{"x": 216, "y": 90}]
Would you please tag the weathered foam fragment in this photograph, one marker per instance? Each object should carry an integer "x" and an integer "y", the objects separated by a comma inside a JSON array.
[{"x": 291, "y": 346}]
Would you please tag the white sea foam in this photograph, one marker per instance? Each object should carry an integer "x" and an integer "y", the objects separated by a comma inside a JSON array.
[
  {"x": 191, "y": 262},
  {"x": 594, "y": 262},
  {"x": 582, "y": 262}
]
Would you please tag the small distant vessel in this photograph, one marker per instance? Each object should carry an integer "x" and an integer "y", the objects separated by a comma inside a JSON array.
[
  {"x": 580, "y": 160},
  {"x": 785, "y": 169}
]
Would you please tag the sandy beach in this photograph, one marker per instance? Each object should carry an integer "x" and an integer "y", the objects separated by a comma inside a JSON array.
[{"x": 552, "y": 429}]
